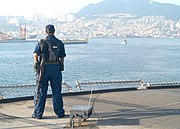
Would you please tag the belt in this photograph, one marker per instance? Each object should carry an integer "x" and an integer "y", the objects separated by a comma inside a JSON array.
[{"x": 51, "y": 62}]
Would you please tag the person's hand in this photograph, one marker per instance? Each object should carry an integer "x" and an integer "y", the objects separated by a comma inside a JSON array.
[
  {"x": 37, "y": 67},
  {"x": 61, "y": 64}
]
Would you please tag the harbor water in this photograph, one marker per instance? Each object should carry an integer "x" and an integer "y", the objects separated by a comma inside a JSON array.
[{"x": 151, "y": 59}]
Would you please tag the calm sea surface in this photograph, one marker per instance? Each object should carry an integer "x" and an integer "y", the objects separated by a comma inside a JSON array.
[{"x": 153, "y": 60}]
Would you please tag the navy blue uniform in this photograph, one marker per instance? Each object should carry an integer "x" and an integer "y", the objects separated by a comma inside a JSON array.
[{"x": 53, "y": 74}]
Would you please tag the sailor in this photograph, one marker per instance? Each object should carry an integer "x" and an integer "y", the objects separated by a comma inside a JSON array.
[{"x": 46, "y": 49}]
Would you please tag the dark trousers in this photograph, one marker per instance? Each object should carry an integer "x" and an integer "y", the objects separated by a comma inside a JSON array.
[{"x": 53, "y": 74}]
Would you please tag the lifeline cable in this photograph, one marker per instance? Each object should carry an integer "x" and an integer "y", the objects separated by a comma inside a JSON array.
[
  {"x": 93, "y": 102},
  {"x": 90, "y": 96}
]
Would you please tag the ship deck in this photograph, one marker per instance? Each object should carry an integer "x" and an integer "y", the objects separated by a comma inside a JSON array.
[{"x": 133, "y": 109}]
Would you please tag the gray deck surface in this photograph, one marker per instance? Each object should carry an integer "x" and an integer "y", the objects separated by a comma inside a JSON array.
[{"x": 142, "y": 109}]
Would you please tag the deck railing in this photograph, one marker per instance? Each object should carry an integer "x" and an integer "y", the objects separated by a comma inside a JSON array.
[{"x": 15, "y": 91}]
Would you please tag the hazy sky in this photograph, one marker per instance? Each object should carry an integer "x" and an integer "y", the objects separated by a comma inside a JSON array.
[{"x": 51, "y": 8}]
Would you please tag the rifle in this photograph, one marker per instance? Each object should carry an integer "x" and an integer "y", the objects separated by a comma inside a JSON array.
[{"x": 41, "y": 72}]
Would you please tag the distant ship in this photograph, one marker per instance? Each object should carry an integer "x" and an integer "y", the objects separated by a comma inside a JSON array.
[
  {"x": 16, "y": 40},
  {"x": 13, "y": 41},
  {"x": 74, "y": 40},
  {"x": 64, "y": 40},
  {"x": 6, "y": 38},
  {"x": 23, "y": 38}
]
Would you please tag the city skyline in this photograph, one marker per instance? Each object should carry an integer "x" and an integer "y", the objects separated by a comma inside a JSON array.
[{"x": 51, "y": 9}]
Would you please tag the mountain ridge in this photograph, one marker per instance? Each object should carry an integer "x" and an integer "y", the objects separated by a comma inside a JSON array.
[{"x": 138, "y": 7}]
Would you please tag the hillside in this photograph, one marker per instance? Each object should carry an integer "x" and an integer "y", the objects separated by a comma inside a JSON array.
[{"x": 138, "y": 7}]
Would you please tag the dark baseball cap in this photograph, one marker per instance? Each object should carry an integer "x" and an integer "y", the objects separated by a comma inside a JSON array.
[{"x": 50, "y": 28}]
